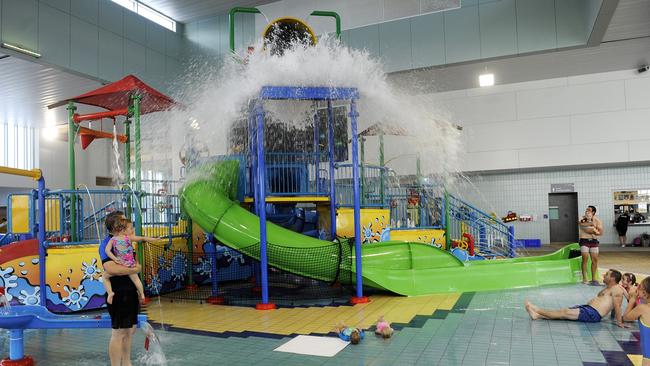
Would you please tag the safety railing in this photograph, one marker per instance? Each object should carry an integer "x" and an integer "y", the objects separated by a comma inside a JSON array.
[
  {"x": 169, "y": 187},
  {"x": 295, "y": 174},
  {"x": 416, "y": 206},
  {"x": 160, "y": 214},
  {"x": 372, "y": 179},
  {"x": 490, "y": 235}
]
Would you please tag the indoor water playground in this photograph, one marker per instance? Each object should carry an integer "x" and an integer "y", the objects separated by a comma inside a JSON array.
[{"x": 282, "y": 182}]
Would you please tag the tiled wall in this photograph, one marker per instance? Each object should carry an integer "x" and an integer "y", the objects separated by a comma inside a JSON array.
[
  {"x": 527, "y": 194},
  {"x": 94, "y": 37},
  {"x": 586, "y": 119},
  {"x": 479, "y": 29}
]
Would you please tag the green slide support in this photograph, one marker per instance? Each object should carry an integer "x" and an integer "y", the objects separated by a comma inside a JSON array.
[{"x": 404, "y": 268}]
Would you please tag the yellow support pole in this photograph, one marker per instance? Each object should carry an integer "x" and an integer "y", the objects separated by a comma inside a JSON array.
[{"x": 35, "y": 174}]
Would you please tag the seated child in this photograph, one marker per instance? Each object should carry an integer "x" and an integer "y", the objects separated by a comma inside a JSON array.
[
  {"x": 383, "y": 328},
  {"x": 641, "y": 312},
  {"x": 120, "y": 250},
  {"x": 628, "y": 282},
  {"x": 348, "y": 334}
]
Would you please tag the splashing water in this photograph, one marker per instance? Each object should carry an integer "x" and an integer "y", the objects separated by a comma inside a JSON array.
[
  {"x": 217, "y": 96},
  {"x": 154, "y": 354},
  {"x": 5, "y": 306},
  {"x": 116, "y": 157}
]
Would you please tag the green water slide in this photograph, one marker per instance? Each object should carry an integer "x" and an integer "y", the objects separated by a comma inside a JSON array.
[{"x": 400, "y": 267}]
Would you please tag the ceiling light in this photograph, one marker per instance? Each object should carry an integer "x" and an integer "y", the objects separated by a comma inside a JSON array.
[
  {"x": 486, "y": 79},
  {"x": 50, "y": 133},
  {"x": 20, "y": 49}
]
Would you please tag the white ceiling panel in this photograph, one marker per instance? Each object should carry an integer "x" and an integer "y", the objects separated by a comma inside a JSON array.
[{"x": 27, "y": 88}]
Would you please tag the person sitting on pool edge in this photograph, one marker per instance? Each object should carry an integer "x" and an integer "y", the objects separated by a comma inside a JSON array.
[
  {"x": 641, "y": 312},
  {"x": 608, "y": 299},
  {"x": 126, "y": 306}
]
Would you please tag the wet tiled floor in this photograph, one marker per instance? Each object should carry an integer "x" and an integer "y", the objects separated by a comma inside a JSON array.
[{"x": 486, "y": 328}]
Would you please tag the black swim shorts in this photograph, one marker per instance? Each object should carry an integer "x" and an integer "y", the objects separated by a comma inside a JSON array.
[{"x": 126, "y": 303}]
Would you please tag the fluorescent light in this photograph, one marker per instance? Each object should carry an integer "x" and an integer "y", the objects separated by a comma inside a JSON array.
[
  {"x": 486, "y": 79},
  {"x": 20, "y": 49}
]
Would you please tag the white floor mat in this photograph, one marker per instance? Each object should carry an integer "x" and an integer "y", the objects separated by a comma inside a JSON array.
[{"x": 314, "y": 346}]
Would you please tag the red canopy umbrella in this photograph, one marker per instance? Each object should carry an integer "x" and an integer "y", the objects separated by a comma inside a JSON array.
[{"x": 117, "y": 95}]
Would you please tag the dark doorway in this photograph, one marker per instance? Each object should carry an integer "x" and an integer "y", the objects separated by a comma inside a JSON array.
[{"x": 563, "y": 217}]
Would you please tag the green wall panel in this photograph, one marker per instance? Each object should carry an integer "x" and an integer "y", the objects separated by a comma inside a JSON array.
[
  {"x": 86, "y": 10},
  {"x": 395, "y": 45},
  {"x": 428, "y": 40},
  {"x": 571, "y": 18},
  {"x": 135, "y": 27},
  {"x": 462, "y": 40},
  {"x": 111, "y": 56},
  {"x": 535, "y": 25},
  {"x": 84, "y": 48},
  {"x": 111, "y": 16},
  {"x": 19, "y": 23},
  {"x": 498, "y": 25},
  {"x": 365, "y": 38},
  {"x": 63, "y": 5},
  {"x": 135, "y": 59},
  {"x": 54, "y": 35}
]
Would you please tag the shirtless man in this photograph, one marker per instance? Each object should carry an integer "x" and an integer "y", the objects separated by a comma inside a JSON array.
[
  {"x": 608, "y": 299},
  {"x": 590, "y": 229}
]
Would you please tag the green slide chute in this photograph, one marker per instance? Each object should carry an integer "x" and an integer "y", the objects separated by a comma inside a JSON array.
[{"x": 401, "y": 267}]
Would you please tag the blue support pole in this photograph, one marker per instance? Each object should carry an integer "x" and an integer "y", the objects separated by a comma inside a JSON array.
[
  {"x": 511, "y": 241},
  {"x": 316, "y": 153},
  {"x": 41, "y": 239},
  {"x": 330, "y": 148},
  {"x": 16, "y": 345},
  {"x": 211, "y": 252},
  {"x": 260, "y": 202},
  {"x": 252, "y": 156},
  {"x": 357, "y": 205}
]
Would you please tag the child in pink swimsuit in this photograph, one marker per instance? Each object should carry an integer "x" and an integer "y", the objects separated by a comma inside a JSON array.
[
  {"x": 383, "y": 328},
  {"x": 120, "y": 250}
]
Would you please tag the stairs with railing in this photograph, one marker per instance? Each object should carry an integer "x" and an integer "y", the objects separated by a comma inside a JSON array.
[{"x": 491, "y": 236}]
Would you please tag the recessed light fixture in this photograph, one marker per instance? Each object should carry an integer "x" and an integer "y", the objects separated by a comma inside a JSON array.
[
  {"x": 20, "y": 49},
  {"x": 486, "y": 80},
  {"x": 50, "y": 133}
]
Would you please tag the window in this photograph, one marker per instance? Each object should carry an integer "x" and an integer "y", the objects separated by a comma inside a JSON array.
[
  {"x": 19, "y": 148},
  {"x": 148, "y": 13}
]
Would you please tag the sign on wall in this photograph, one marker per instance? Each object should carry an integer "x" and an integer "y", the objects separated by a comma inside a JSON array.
[{"x": 562, "y": 188}]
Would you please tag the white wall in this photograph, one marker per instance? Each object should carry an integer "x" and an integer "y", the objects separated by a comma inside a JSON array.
[
  {"x": 53, "y": 161},
  {"x": 578, "y": 120},
  {"x": 526, "y": 193}
]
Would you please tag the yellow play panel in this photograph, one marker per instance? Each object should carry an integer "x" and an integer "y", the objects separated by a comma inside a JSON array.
[
  {"x": 286, "y": 321},
  {"x": 637, "y": 360}
]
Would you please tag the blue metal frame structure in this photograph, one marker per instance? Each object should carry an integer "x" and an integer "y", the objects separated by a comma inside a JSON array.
[{"x": 259, "y": 166}]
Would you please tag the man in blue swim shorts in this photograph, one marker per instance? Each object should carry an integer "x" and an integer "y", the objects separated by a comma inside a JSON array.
[{"x": 608, "y": 299}]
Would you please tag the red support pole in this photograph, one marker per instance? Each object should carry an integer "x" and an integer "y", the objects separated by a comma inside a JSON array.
[{"x": 99, "y": 115}]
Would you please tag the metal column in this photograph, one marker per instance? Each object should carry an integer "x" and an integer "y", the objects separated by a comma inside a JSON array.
[
  {"x": 260, "y": 203},
  {"x": 330, "y": 147},
  {"x": 357, "y": 205}
]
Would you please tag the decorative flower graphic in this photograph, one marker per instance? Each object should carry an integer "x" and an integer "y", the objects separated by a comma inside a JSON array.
[
  {"x": 75, "y": 296},
  {"x": 204, "y": 267},
  {"x": 26, "y": 298},
  {"x": 179, "y": 267},
  {"x": 155, "y": 285},
  {"x": 90, "y": 270}
]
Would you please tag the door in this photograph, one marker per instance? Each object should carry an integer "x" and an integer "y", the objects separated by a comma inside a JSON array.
[{"x": 563, "y": 217}]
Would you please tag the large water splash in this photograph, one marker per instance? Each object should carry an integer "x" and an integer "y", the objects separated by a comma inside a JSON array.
[{"x": 216, "y": 96}]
